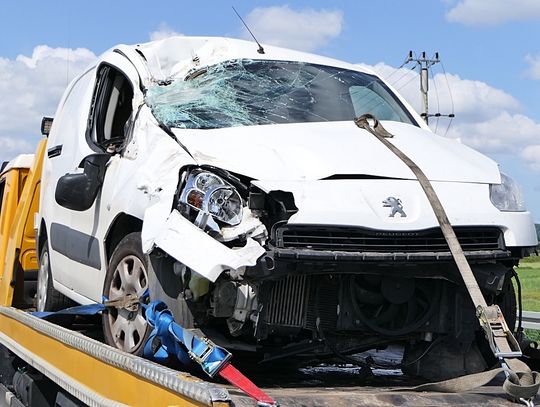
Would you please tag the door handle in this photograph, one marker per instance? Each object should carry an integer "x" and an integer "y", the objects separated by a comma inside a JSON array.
[{"x": 54, "y": 151}]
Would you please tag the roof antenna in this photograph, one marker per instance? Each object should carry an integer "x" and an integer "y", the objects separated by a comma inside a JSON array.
[{"x": 261, "y": 49}]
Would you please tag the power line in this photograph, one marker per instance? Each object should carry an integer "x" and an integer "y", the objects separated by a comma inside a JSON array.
[
  {"x": 436, "y": 97},
  {"x": 451, "y": 98},
  {"x": 424, "y": 64}
]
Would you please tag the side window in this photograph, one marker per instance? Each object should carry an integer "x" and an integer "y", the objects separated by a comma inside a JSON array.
[{"x": 111, "y": 108}]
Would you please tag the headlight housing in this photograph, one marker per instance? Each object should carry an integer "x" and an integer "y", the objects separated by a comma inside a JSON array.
[
  {"x": 211, "y": 195},
  {"x": 507, "y": 195}
]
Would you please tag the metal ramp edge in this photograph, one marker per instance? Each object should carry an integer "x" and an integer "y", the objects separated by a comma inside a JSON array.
[{"x": 97, "y": 374}]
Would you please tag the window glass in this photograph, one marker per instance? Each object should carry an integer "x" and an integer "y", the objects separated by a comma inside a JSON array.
[
  {"x": 74, "y": 112},
  {"x": 374, "y": 99},
  {"x": 111, "y": 108},
  {"x": 247, "y": 92}
]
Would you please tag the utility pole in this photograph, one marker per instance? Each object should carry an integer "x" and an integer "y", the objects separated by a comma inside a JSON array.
[{"x": 424, "y": 64}]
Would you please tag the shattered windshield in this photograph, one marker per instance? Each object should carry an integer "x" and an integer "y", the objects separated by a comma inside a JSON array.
[{"x": 248, "y": 92}]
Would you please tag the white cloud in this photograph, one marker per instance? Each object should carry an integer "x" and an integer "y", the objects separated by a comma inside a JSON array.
[
  {"x": 163, "y": 31},
  {"x": 305, "y": 30},
  {"x": 487, "y": 119},
  {"x": 531, "y": 155},
  {"x": 31, "y": 87},
  {"x": 472, "y": 100},
  {"x": 43, "y": 53},
  {"x": 534, "y": 66},
  {"x": 15, "y": 145},
  {"x": 492, "y": 12},
  {"x": 504, "y": 133}
]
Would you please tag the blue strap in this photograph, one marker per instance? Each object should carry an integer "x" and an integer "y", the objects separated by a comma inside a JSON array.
[
  {"x": 169, "y": 338},
  {"x": 166, "y": 339},
  {"x": 90, "y": 309},
  {"x": 160, "y": 344}
]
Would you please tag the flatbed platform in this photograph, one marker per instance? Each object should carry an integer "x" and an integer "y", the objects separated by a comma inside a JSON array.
[
  {"x": 99, "y": 375},
  {"x": 343, "y": 386},
  {"x": 378, "y": 396}
]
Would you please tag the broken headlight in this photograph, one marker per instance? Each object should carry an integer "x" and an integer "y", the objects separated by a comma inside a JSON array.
[
  {"x": 211, "y": 195},
  {"x": 507, "y": 195}
]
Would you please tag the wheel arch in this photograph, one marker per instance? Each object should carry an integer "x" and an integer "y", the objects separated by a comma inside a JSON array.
[{"x": 123, "y": 225}]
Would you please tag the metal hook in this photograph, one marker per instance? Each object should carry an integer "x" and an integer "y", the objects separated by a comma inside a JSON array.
[{"x": 527, "y": 402}]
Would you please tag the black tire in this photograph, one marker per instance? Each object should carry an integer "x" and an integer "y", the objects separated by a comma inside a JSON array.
[
  {"x": 127, "y": 273},
  {"x": 507, "y": 302},
  {"x": 166, "y": 286},
  {"x": 47, "y": 298}
]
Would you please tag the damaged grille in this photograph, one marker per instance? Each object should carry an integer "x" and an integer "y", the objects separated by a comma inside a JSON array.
[{"x": 365, "y": 240}]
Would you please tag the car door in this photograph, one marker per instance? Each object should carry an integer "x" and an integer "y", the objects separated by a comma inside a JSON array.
[
  {"x": 66, "y": 147},
  {"x": 78, "y": 261}
]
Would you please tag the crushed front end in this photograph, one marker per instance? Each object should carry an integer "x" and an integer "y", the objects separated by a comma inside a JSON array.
[
  {"x": 294, "y": 234},
  {"x": 286, "y": 286}
]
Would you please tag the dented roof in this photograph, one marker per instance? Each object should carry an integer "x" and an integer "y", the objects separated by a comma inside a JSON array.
[{"x": 177, "y": 56}]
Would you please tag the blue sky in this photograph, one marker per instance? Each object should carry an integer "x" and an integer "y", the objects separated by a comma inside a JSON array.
[{"x": 490, "y": 50}]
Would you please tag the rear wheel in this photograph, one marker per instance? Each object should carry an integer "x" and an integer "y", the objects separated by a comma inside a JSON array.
[
  {"x": 47, "y": 298},
  {"x": 127, "y": 274}
]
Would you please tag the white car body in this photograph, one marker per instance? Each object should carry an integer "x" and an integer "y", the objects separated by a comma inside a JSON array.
[{"x": 338, "y": 174}]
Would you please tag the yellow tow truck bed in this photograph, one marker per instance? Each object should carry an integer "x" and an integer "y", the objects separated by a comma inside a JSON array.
[{"x": 19, "y": 193}]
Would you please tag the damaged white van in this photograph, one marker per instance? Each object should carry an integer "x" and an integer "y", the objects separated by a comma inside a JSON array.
[{"x": 235, "y": 186}]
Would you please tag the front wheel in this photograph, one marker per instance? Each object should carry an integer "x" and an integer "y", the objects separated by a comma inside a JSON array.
[{"x": 127, "y": 274}]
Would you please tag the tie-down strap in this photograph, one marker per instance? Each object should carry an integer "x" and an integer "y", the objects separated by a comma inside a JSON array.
[
  {"x": 521, "y": 383},
  {"x": 168, "y": 338}
]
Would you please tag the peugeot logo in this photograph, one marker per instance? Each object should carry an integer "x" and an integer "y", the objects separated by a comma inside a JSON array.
[{"x": 396, "y": 206}]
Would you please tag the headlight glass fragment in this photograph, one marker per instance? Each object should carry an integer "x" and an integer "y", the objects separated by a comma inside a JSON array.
[
  {"x": 507, "y": 195},
  {"x": 210, "y": 194}
]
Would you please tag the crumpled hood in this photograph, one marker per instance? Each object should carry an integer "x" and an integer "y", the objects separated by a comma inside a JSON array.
[{"x": 312, "y": 151}]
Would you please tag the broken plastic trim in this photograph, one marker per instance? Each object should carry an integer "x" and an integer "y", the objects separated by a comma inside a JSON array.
[
  {"x": 191, "y": 246},
  {"x": 247, "y": 92}
]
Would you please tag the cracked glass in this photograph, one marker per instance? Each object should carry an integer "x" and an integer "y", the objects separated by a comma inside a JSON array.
[{"x": 248, "y": 92}]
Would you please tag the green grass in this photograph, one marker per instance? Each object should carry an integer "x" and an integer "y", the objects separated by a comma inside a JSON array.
[
  {"x": 532, "y": 334},
  {"x": 529, "y": 275},
  {"x": 531, "y": 259}
]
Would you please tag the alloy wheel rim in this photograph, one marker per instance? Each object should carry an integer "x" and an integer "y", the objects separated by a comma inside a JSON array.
[{"x": 128, "y": 328}]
